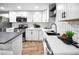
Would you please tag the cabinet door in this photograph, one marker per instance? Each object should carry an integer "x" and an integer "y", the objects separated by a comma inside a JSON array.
[
  {"x": 72, "y": 10},
  {"x": 34, "y": 34},
  {"x": 40, "y": 36},
  {"x": 61, "y": 8},
  {"x": 44, "y": 16},
  {"x": 30, "y": 17},
  {"x": 12, "y": 16},
  {"x": 37, "y": 16},
  {"x": 28, "y": 34},
  {"x": 17, "y": 45}
]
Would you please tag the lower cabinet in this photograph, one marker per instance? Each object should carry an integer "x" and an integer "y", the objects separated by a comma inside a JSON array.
[
  {"x": 13, "y": 47},
  {"x": 6, "y": 49},
  {"x": 17, "y": 45},
  {"x": 40, "y": 34},
  {"x": 33, "y": 34},
  {"x": 28, "y": 34}
]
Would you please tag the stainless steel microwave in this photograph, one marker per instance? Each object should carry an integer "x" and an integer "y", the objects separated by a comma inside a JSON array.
[{"x": 21, "y": 19}]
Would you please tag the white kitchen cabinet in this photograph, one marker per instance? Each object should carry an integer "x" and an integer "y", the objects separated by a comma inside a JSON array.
[
  {"x": 6, "y": 49},
  {"x": 33, "y": 34},
  {"x": 44, "y": 16},
  {"x": 12, "y": 47},
  {"x": 28, "y": 34},
  {"x": 40, "y": 34},
  {"x": 37, "y": 17},
  {"x": 30, "y": 17},
  {"x": 71, "y": 11},
  {"x": 17, "y": 45},
  {"x": 12, "y": 16},
  {"x": 60, "y": 8}
]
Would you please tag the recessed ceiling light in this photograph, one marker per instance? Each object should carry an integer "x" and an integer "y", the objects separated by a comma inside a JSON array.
[
  {"x": 36, "y": 7},
  {"x": 2, "y": 8},
  {"x": 19, "y": 7}
]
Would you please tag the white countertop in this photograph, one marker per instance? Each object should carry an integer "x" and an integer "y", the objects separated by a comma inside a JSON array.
[{"x": 60, "y": 48}]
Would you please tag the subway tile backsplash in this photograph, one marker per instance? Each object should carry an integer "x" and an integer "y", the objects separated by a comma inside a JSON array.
[
  {"x": 30, "y": 24},
  {"x": 76, "y": 29},
  {"x": 65, "y": 26}
]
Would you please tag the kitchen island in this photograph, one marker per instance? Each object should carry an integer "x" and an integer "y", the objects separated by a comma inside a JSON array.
[{"x": 11, "y": 43}]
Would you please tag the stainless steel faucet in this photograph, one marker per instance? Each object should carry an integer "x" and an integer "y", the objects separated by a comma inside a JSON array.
[{"x": 54, "y": 25}]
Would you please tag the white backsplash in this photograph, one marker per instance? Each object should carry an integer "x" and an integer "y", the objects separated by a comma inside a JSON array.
[
  {"x": 30, "y": 24},
  {"x": 62, "y": 27},
  {"x": 76, "y": 29}
]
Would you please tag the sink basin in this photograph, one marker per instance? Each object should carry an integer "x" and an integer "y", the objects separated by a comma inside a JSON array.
[{"x": 51, "y": 33}]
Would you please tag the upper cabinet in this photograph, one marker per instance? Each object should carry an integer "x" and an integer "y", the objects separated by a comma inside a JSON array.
[
  {"x": 37, "y": 17},
  {"x": 32, "y": 16},
  {"x": 45, "y": 15},
  {"x": 67, "y": 11},
  {"x": 73, "y": 11},
  {"x": 12, "y": 16}
]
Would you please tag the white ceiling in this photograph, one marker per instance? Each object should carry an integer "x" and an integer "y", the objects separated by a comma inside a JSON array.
[{"x": 24, "y": 6}]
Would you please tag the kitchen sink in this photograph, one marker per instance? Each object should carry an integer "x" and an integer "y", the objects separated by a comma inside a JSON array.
[{"x": 51, "y": 32}]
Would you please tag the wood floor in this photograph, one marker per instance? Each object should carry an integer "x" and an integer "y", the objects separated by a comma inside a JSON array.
[{"x": 32, "y": 48}]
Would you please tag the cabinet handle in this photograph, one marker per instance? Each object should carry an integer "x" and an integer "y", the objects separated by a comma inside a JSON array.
[
  {"x": 63, "y": 14},
  {"x": 31, "y": 32}
]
